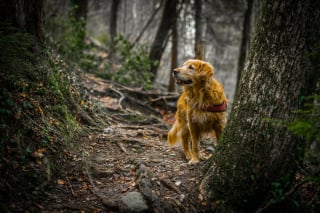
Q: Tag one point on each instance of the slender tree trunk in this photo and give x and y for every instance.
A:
(245, 41)
(81, 9)
(80, 14)
(169, 16)
(199, 40)
(113, 24)
(174, 56)
(255, 152)
(147, 24)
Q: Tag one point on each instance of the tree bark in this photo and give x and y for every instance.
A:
(255, 152)
(174, 56)
(81, 9)
(169, 16)
(113, 24)
(199, 40)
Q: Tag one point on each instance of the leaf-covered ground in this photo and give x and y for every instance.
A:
(130, 154)
(121, 163)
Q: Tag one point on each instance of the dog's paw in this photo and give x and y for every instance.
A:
(193, 161)
(188, 156)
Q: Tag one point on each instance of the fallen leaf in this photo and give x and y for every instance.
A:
(90, 137)
(40, 111)
(23, 95)
(60, 182)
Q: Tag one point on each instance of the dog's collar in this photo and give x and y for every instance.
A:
(217, 107)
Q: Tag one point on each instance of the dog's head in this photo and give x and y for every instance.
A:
(192, 72)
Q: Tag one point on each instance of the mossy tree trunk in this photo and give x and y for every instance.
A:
(255, 152)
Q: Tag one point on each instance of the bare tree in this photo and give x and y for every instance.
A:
(155, 12)
(174, 55)
(254, 152)
(81, 9)
(113, 23)
(169, 16)
(199, 40)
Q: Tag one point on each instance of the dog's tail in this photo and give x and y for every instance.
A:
(173, 137)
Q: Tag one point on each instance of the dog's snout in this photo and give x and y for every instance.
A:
(175, 72)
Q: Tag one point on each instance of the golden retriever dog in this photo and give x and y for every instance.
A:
(200, 108)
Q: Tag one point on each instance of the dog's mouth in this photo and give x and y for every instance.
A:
(183, 82)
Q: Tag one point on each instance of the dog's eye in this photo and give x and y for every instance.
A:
(191, 66)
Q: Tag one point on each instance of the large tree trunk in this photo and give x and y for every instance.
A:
(255, 152)
(169, 16)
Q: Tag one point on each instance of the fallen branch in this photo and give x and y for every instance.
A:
(70, 186)
(122, 147)
(122, 97)
(170, 185)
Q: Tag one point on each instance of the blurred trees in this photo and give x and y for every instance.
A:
(169, 17)
(81, 9)
(113, 24)
(26, 15)
(140, 23)
(199, 39)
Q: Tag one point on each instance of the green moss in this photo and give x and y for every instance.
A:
(37, 122)
(16, 56)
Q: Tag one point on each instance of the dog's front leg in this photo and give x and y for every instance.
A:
(195, 140)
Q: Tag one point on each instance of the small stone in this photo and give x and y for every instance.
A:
(135, 202)
(108, 130)
(200, 197)
(177, 183)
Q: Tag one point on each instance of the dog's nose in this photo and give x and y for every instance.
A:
(175, 72)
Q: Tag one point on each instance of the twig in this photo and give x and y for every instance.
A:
(148, 127)
(164, 98)
(122, 97)
(70, 186)
(122, 147)
(170, 185)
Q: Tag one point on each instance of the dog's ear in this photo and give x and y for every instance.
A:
(205, 70)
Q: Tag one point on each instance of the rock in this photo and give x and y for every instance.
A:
(177, 183)
(134, 202)
(108, 130)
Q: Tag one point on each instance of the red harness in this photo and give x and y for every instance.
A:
(217, 108)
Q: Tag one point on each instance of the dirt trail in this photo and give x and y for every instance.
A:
(129, 166)
(132, 155)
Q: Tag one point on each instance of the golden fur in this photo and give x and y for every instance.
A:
(200, 90)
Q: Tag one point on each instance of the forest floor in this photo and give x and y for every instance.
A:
(127, 165)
